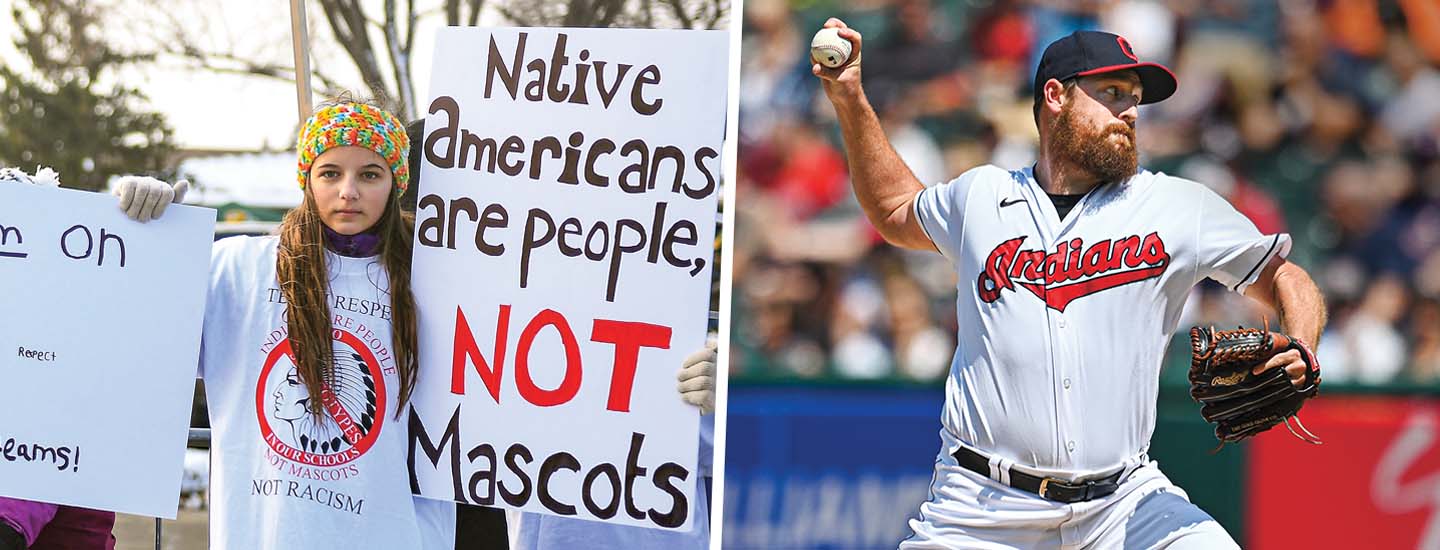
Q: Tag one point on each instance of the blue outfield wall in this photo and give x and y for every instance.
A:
(827, 467)
(843, 466)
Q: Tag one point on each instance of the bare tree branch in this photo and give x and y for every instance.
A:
(453, 13)
(514, 16)
(648, 13)
(678, 11)
(347, 21)
(475, 7)
(399, 51)
(381, 46)
(717, 13)
(246, 67)
(613, 9)
(181, 45)
(579, 12)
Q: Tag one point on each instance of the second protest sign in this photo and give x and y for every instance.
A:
(100, 320)
(564, 249)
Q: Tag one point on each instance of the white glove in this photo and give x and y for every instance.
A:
(145, 198)
(697, 379)
(43, 176)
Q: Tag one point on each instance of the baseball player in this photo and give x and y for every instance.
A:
(1072, 275)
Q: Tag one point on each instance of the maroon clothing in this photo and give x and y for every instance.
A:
(55, 527)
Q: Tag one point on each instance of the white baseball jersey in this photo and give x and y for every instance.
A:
(1064, 323)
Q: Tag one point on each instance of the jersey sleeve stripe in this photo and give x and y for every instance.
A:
(1263, 260)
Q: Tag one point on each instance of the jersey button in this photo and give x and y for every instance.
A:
(1067, 383)
(1062, 323)
(1070, 446)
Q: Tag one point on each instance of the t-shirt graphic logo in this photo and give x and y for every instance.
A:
(351, 411)
(1071, 271)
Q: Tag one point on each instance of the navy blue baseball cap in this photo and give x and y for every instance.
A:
(1084, 53)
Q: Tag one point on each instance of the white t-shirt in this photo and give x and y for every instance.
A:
(1063, 323)
(280, 478)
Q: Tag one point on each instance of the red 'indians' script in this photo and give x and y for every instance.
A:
(1071, 271)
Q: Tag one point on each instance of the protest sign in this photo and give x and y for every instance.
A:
(99, 338)
(564, 248)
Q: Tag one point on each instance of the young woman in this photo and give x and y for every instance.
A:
(309, 354)
(309, 351)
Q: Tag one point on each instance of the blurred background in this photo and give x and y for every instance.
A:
(205, 90)
(1320, 118)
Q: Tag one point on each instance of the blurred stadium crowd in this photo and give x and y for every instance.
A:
(1320, 118)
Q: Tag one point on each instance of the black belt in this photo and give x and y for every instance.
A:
(1049, 488)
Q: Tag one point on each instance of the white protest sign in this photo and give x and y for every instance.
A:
(564, 247)
(99, 338)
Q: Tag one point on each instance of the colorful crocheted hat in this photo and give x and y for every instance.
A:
(361, 125)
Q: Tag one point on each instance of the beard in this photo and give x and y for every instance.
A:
(1093, 151)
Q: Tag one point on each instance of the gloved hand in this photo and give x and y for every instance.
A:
(1232, 375)
(145, 198)
(697, 379)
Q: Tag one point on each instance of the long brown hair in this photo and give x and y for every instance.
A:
(305, 283)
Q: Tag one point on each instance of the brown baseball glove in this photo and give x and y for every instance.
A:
(1238, 402)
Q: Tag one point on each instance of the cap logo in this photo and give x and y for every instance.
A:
(1126, 49)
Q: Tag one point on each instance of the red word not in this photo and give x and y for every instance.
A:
(627, 336)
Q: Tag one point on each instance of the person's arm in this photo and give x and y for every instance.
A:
(1294, 295)
(883, 183)
(21, 522)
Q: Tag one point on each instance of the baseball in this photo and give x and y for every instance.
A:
(829, 49)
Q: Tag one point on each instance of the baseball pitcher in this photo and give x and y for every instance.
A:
(1072, 275)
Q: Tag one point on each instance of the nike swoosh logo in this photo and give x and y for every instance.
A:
(1008, 202)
